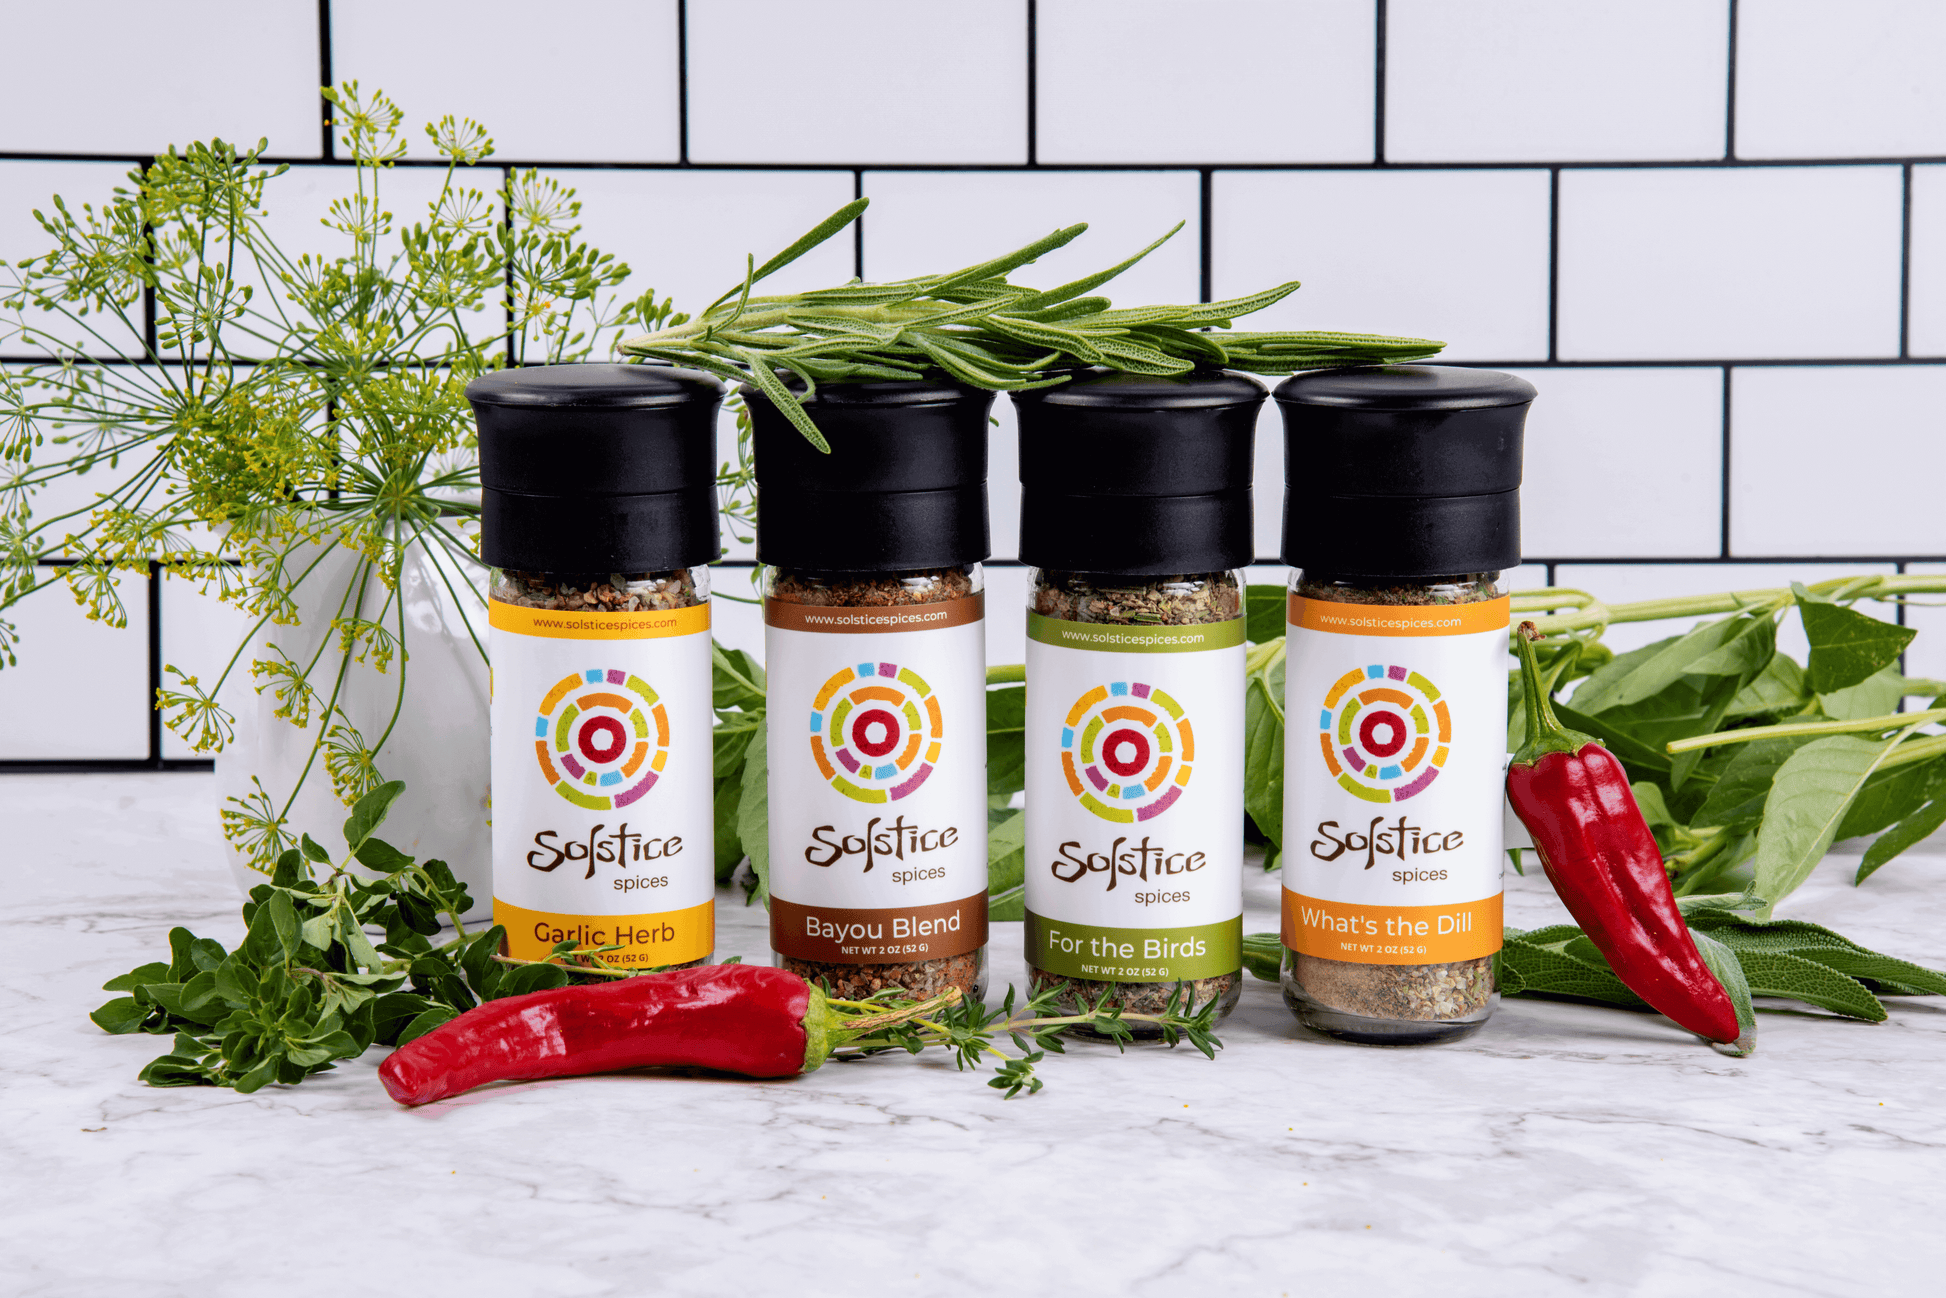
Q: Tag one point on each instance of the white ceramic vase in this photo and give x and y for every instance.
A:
(438, 745)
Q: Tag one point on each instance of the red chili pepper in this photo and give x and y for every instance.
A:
(734, 1018)
(1574, 798)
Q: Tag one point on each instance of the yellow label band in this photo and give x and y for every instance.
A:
(1359, 934)
(1399, 619)
(646, 941)
(559, 624)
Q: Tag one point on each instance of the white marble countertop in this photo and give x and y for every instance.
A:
(1561, 1148)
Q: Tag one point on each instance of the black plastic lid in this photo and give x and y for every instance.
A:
(1133, 475)
(903, 487)
(1403, 470)
(597, 468)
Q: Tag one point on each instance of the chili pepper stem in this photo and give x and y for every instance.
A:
(1545, 734)
(828, 1027)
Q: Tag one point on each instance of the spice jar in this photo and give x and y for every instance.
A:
(1402, 510)
(875, 651)
(1135, 515)
(598, 514)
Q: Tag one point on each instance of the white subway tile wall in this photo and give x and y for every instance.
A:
(1711, 232)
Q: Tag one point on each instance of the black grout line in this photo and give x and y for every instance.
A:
(1724, 544)
(682, 82)
(1730, 92)
(101, 765)
(1905, 266)
(858, 226)
(1033, 84)
(1206, 238)
(1554, 264)
(325, 149)
(155, 661)
(1378, 84)
(1516, 362)
(1564, 164)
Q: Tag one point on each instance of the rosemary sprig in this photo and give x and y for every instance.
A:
(976, 326)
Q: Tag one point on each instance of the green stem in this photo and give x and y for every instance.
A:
(1793, 729)
(1007, 674)
(1545, 734)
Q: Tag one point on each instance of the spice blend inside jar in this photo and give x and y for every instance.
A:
(874, 644)
(598, 514)
(1401, 512)
(1135, 514)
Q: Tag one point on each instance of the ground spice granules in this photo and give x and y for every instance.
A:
(1402, 513)
(875, 656)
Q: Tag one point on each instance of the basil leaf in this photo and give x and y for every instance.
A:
(1808, 799)
(1847, 646)
(736, 679)
(1006, 740)
(1007, 853)
(1263, 613)
(1263, 757)
(377, 854)
(1742, 788)
(120, 1016)
(1877, 695)
(1919, 825)
(1008, 905)
(753, 814)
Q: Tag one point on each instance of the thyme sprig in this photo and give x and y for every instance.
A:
(978, 327)
(968, 1030)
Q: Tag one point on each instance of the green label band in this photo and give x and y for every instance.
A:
(1119, 639)
(1134, 955)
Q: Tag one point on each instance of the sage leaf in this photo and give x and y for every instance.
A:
(1879, 968)
(1724, 963)
(1779, 973)
(1847, 646)
(1807, 801)
(1553, 973)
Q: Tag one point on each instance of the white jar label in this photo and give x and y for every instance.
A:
(876, 740)
(1135, 810)
(1395, 726)
(602, 782)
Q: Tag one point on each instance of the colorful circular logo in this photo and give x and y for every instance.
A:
(876, 731)
(602, 738)
(1127, 749)
(1385, 732)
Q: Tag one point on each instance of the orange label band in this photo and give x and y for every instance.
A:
(646, 941)
(1360, 934)
(559, 624)
(1399, 619)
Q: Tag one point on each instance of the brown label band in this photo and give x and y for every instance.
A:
(852, 620)
(902, 935)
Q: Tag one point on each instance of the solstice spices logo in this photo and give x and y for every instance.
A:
(1127, 749)
(870, 725)
(1385, 732)
(601, 738)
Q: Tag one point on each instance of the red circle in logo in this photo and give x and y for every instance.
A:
(880, 720)
(1119, 740)
(593, 731)
(1392, 723)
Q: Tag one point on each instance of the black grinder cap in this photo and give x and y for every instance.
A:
(597, 468)
(903, 487)
(1136, 475)
(1406, 471)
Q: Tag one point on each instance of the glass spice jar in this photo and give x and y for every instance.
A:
(598, 514)
(875, 653)
(1402, 511)
(1135, 514)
